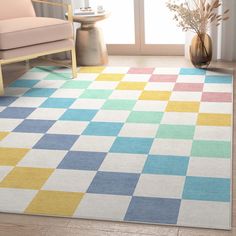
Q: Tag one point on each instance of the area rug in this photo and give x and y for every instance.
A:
(144, 145)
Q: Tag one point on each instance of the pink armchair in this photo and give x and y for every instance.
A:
(25, 36)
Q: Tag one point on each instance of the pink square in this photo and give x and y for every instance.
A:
(163, 78)
(216, 97)
(193, 87)
(141, 70)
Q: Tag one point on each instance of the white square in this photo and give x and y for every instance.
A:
(125, 94)
(116, 70)
(166, 71)
(191, 79)
(7, 125)
(2, 108)
(130, 163)
(46, 114)
(143, 105)
(103, 85)
(186, 96)
(20, 140)
(34, 75)
(163, 186)
(227, 71)
(209, 167)
(28, 102)
(101, 206)
(93, 143)
(213, 133)
(218, 88)
(216, 107)
(136, 78)
(88, 104)
(87, 76)
(16, 92)
(49, 84)
(67, 93)
(111, 116)
(139, 130)
(171, 147)
(42, 158)
(15, 200)
(69, 180)
(205, 214)
(179, 118)
(4, 171)
(155, 86)
(68, 127)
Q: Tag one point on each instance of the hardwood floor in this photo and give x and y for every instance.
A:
(23, 225)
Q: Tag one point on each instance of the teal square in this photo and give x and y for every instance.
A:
(207, 189)
(44, 68)
(96, 94)
(176, 131)
(76, 84)
(79, 115)
(192, 71)
(103, 129)
(24, 83)
(39, 92)
(145, 117)
(215, 149)
(166, 165)
(132, 145)
(218, 79)
(58, 103)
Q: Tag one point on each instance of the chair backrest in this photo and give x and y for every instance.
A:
(16, 8)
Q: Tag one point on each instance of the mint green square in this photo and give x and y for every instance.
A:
(176, 131)
(75, 84)
(145, 117)
(58, 76)
(217, 149)
(119, 104)
(96, 94)
(44, 68)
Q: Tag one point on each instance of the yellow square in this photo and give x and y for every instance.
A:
(155, 95)
(174, 106)
(3, 135)
(131, 85)
(91, 69)
(11, 156)
(54, 203)
(27, 178)
(110, 77)
(206, 119)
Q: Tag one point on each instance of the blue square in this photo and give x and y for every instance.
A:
(58, 103)
(153, 210)
(132, 145)
(192, 71)
(39, 92)
(24, 83)
(218, 79)
(207, 189)
(6, 101)
(16, 112)
(114, 183)
(166, 165)
(34, 126)
(56, 142)
(79, 115)
(82, 160)
(103, 129)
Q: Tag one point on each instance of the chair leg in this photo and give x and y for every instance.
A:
(74, 64)
(1, 82)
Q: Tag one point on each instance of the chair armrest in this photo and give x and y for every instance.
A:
(57, 4)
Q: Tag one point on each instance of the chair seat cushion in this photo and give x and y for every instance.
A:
(28, 31)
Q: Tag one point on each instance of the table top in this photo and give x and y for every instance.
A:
(91, 18)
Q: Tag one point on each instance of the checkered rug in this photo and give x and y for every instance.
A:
(146, 145)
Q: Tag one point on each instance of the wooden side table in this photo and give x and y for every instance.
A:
(90, 46)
